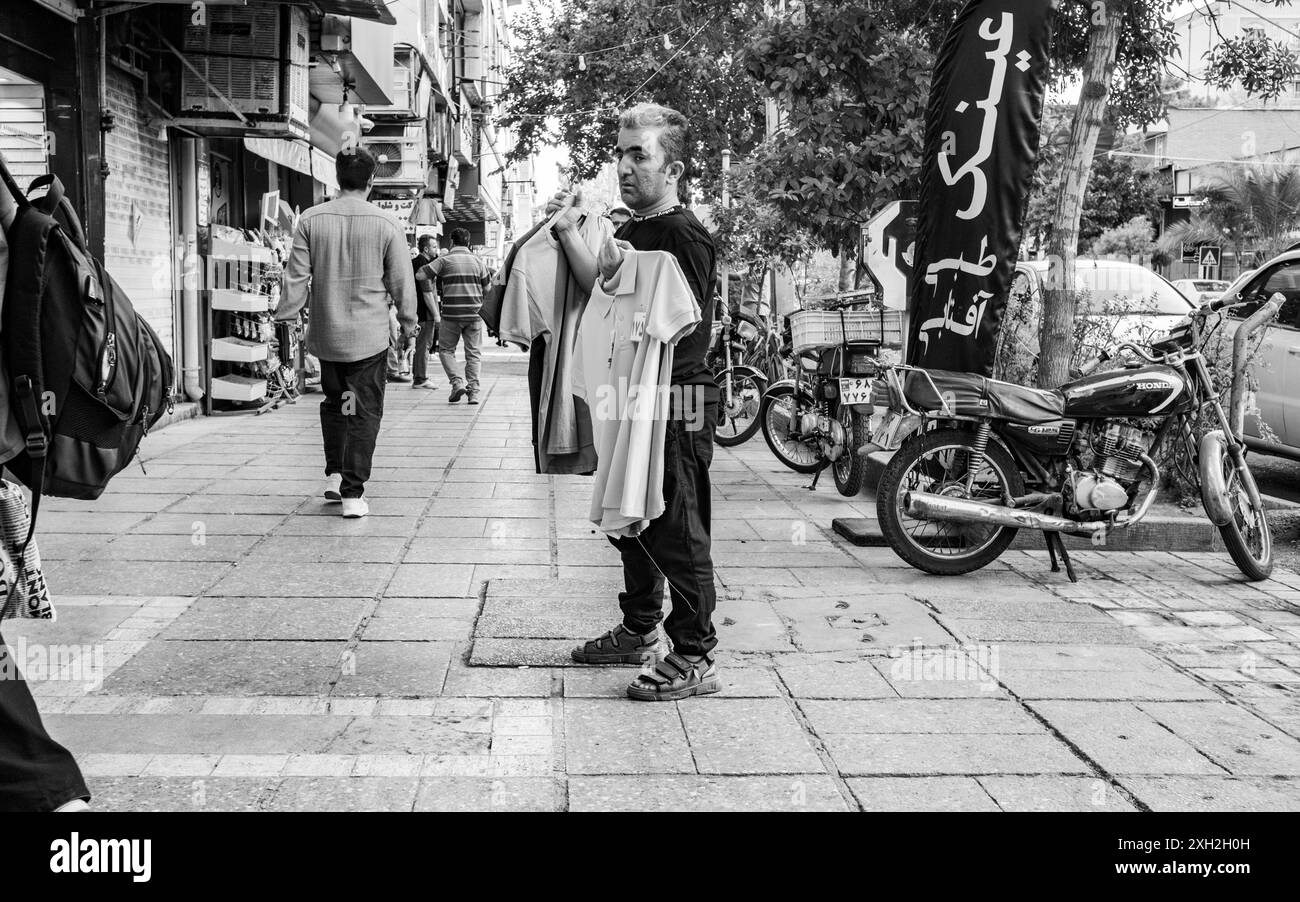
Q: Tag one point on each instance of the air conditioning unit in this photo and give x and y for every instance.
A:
(406, 86)
(401, 155)
(257, 57)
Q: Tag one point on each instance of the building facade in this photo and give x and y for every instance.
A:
(191, 135)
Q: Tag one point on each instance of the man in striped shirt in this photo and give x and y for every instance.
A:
(460, 277)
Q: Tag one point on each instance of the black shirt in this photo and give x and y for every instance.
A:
(682, 235)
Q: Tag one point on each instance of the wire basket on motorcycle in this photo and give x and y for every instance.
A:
(832, 320)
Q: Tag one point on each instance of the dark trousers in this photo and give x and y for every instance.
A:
(350, 417)
(676, 545)
(423, 342)
(36, 773)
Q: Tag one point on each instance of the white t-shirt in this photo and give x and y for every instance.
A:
(633, 322)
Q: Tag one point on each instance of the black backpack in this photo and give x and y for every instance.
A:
(87, 374)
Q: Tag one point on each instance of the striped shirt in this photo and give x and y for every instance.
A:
(351, 257)
(461, 277)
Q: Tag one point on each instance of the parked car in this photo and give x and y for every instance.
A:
(1198, 291)
(1274, 427)
(1118, 302)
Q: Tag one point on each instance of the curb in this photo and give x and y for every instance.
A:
(1152, 534)
(186, 410)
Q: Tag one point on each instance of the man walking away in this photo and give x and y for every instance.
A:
(355, 257)
(428, 314)
(459, 277)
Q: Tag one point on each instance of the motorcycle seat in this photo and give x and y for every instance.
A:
(976, 396)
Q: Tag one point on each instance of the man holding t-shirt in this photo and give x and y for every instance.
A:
(675, 547)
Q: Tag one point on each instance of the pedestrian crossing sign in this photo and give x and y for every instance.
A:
(1209, 255)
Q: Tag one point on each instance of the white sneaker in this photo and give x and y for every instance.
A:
(355, 507)
(333, 488)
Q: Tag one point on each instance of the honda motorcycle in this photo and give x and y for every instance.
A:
(985, 458)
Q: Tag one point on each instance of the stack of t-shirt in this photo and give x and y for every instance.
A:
(540, 309)
(628, 332)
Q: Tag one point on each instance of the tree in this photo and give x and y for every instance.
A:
(575, 67)
(1247, 208)
(852, 89)
(1119, 188)
(1121, 49)
(1132, 239)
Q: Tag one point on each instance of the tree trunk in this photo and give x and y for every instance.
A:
(1057, 331)
(846, 267)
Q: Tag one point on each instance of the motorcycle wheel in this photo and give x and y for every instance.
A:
(779, 410)
(1247, 535)
(937, 462)
(851, 469)
(741, 419)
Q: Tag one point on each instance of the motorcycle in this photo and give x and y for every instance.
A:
(989, 458)
(740, 387)
(819, 418)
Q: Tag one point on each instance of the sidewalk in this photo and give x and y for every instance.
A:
(260, 652)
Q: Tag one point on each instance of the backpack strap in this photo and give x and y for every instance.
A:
(55, 203)
(37, 447)
(29, 238)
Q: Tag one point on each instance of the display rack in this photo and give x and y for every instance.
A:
(253, 361)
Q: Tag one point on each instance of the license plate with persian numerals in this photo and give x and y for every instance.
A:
(855, 391)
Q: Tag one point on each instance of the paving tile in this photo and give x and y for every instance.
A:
(835, 679)
(1055, 794)
(920, 794)
(483, 794)
(488, 652)
(403, 669)
(440, 580)
(613, 737)
(381, 734)
(498, 682)
(130, 578)
(215, 617)
(343, 794)
(1051, 631)
(801, 792)
(748, 736)
(1119, 685)
(223, 668)
(350, 549)
(177, 793)
(195, 546)
(1232, 736)
(958, 753)
(251, 578)
(1244, 794)
(169, 524)
(1123, 739)
(942, 716)
(192, 734)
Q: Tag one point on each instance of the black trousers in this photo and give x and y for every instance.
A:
(36, 773)
(350, 416)
(675, 547)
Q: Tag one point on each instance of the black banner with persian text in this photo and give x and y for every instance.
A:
(981, 145)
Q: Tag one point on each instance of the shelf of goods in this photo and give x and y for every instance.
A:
(243, 288)
(238, 388)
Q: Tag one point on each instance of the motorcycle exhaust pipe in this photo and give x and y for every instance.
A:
(927, 506)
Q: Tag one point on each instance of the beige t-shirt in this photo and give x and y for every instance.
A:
(644, 310)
